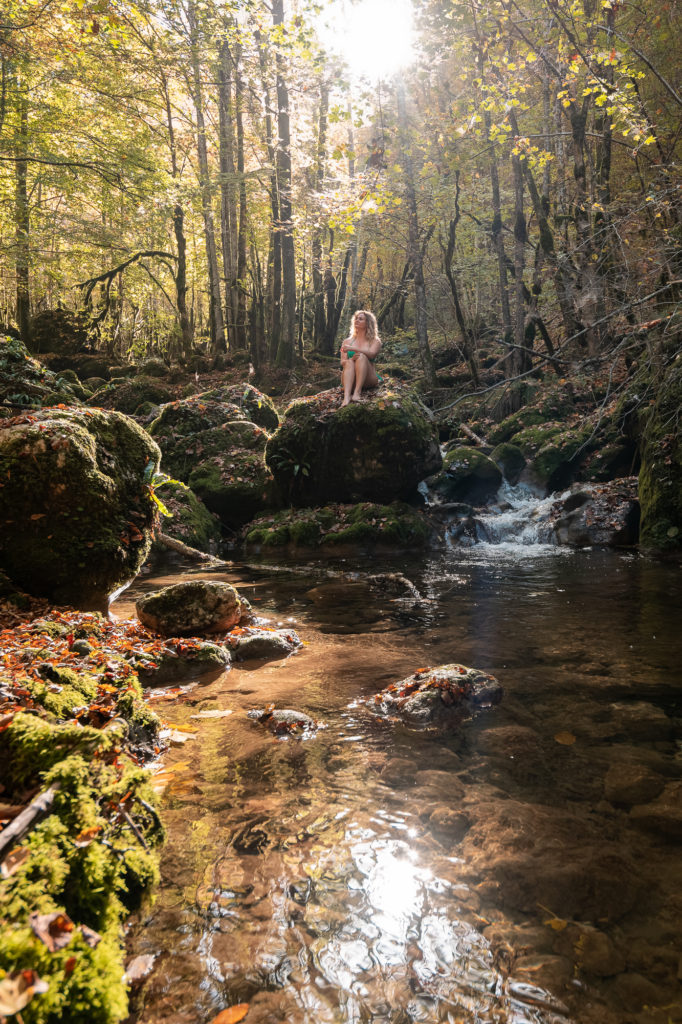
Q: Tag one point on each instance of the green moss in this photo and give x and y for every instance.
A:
(95, 882)
(510, 459)
(364, 523)
(660, 477)
(191, 521)
(127, 395)
(75, 508)
(255, 406)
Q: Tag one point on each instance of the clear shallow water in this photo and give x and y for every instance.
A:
(374, 874)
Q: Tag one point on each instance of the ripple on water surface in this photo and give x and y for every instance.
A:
(369, 874)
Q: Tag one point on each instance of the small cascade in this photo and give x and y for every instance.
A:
(519, 517)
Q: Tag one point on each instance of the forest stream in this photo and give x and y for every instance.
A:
(374, 873)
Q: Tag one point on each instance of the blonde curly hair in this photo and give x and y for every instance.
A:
(372, 328)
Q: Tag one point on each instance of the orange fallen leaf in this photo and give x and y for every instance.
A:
(565, 738)
(232, 1015)
(14, 860)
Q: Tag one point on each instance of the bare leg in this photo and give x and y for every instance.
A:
(364, 374)
(348, 379)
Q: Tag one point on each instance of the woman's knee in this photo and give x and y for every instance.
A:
(362, 359)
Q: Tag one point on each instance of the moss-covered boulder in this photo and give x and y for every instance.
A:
(75, 507)
(153, 368)
(183, 660)
(660, 477)
(510, 460)
(467, 475)
(64, 331)
(128, 395)
(191, 608)
(190, 521)
(375, 450)
(26, 382)
(396, 525)
(230, 475)
(254, 405)
(180, 424)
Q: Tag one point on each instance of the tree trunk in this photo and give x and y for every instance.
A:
(180, 240)
(285, 349)
(22, 217)
(218, 341)
(448, 254)
(415, 252)
(228, 201)
(319, 318)
(240, 325)
(274, 286)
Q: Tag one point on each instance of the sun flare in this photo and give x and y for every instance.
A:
(375, 37)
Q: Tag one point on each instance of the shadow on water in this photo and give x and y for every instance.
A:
(522, 869)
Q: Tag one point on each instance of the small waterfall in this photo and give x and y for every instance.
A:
(518, 518)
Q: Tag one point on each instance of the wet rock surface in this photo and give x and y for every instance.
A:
(180, 661)
(605, 514)
(191, 608)
(283, 721)
(262, 644)
(440, 696)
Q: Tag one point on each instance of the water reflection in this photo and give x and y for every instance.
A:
(375, 875)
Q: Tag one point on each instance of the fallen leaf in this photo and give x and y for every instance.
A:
(565, 738)
(90, 936)
(55, 930)
(17, 991)
(69, 966)
(14, 860)
(85, 837)
(140, 966)
(232, 1015)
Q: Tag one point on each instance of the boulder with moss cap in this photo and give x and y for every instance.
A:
(76, 511)
(375, 450)
(191, 609)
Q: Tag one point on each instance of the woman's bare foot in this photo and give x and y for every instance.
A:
(356, 398)
(346, 401)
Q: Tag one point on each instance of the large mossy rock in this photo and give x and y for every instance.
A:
(396, 525)
(26, 382)
(180, 423)
(190, 521)
(230, 474)
(191, 608)
(61, 330)
(254, 405)
(375, 450)
(128, 395)
(660, 477)
(468, 475)
(75, 506)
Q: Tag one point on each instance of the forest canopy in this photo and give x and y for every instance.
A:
(240, 177)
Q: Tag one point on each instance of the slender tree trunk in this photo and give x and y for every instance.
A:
(319, 318)
(416, 257)
(218, 340)
(519, 360)
(496, 233)
(22, 216)
(285, 349)
(274, 286)
(240, 332)
(180, 240)
(448, 255)
(228, 200)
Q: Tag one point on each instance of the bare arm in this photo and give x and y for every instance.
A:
(370, 349)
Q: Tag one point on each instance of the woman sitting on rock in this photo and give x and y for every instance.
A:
(358, 353)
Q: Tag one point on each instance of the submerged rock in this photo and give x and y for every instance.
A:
(375, 450)
(663, 815)
(438, 696)
(284, 721)
(191, 608)
(75, 506)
